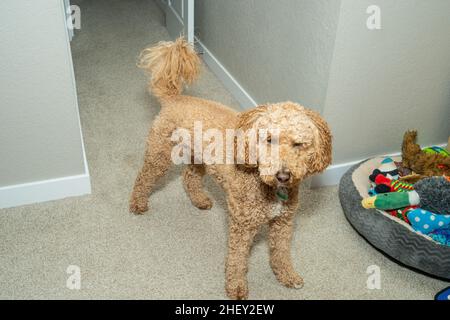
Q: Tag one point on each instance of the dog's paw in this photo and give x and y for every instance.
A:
(237, 290)
(202, 202)
(138, 206)
(299, 284)
(291, 280)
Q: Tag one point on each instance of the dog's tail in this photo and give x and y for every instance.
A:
(172, 64)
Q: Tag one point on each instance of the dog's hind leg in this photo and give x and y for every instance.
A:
(157, 162)
(192, 181)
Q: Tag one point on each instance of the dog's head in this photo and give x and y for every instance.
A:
(292, 142)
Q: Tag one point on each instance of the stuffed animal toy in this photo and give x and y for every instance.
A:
(436, 150)
(433, 194)
(441, 235)
(402, 170)
(443, 295)
(424, 164)
(402, 213)
(392, 200)
(387, 168)
(384, 184)
(425, 221)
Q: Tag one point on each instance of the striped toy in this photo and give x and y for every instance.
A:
(385, 184)
(399, 186)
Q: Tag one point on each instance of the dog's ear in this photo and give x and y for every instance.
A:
(322, 157)
(246, 122)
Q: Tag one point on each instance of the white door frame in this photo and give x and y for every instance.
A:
(179, 23)
(69, 24)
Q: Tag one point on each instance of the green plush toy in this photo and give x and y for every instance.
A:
(433, 194)
(392, 200)
(436, 150)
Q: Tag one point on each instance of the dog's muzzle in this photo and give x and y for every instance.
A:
(283, 175)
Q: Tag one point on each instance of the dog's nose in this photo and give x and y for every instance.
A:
(283, 175)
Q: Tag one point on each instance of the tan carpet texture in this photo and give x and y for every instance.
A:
(175, 251)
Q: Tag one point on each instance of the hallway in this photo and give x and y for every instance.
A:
(175, 251)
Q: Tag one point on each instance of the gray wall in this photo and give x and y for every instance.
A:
(370, 85)
(39, 129)
(385, 81)
(277, 50)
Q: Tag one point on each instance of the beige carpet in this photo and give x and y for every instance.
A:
(176, 251)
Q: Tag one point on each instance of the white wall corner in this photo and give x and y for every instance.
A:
(46, 190)
(230, 83)
(58, 188)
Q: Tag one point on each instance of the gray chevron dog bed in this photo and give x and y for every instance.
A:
(392, 236)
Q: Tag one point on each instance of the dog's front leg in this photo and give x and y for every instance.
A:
(280, 236)
(239, 243)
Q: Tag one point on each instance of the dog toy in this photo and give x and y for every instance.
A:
(402, 170)
(387, 168)
(402, 213)
(423, 163)
(372, 191)
(425, 221)
(441, 235)
(443, 295)
(392, 200)
(384, 184)
(436, 150)
(434, 193)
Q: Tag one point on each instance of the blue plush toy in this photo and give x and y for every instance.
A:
(444, 295)
(441, 235)
(426, 222)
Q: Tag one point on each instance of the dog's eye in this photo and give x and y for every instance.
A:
(269, 139)
(298, 145)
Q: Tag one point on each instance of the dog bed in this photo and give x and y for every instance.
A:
(391, 235)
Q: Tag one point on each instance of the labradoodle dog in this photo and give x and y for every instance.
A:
(258, 192)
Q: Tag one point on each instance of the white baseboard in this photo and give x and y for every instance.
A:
(332, 174)
(46, 190)
(238, 92)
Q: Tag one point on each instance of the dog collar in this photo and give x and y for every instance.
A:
(282, 194)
